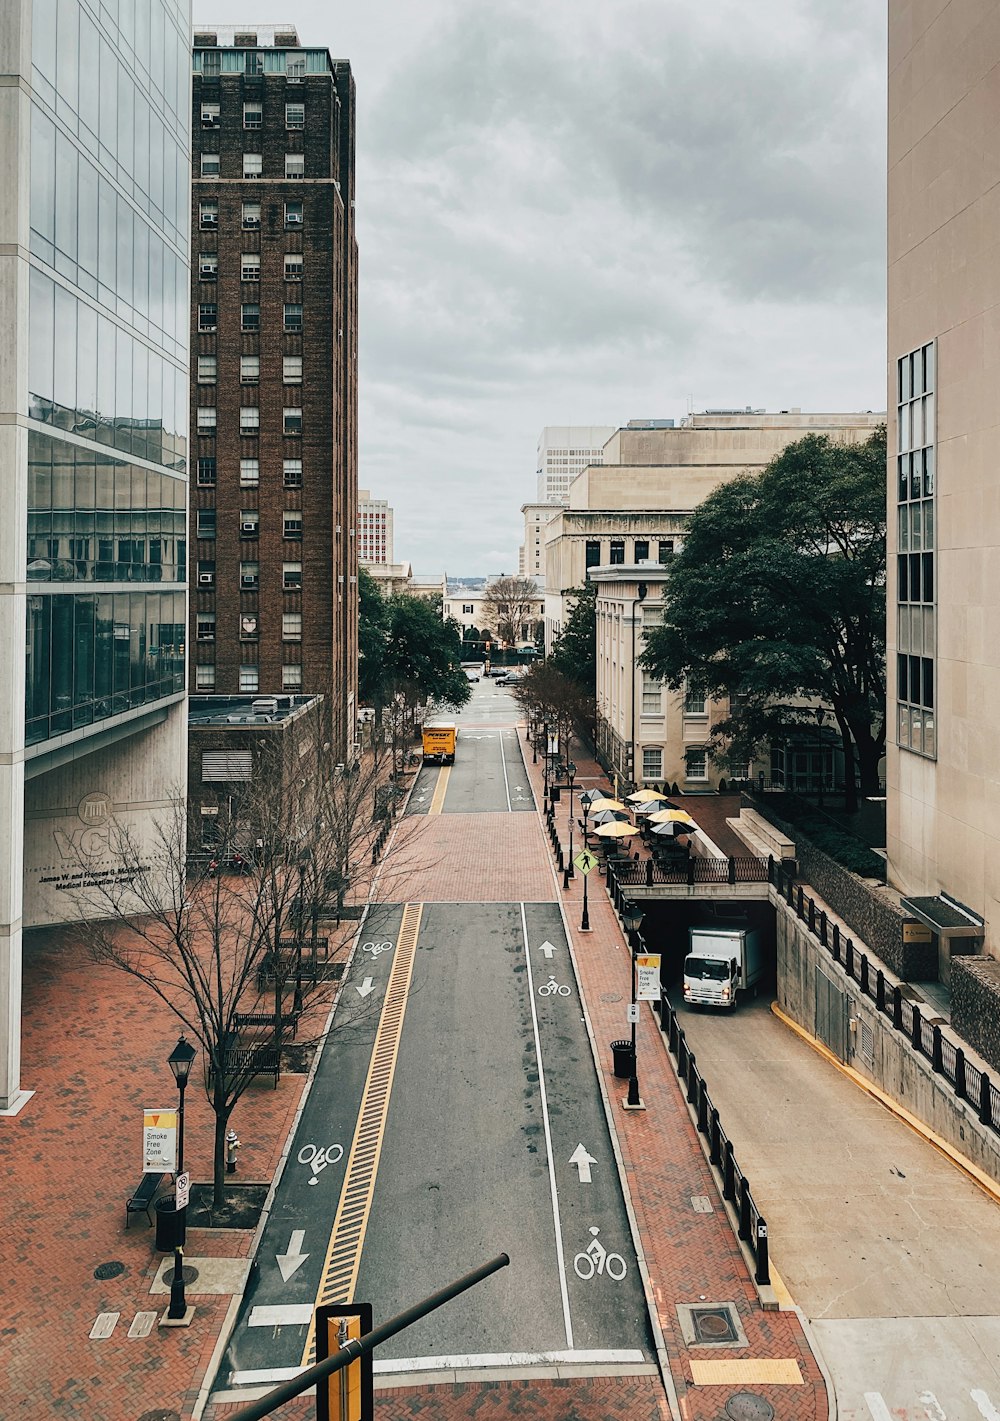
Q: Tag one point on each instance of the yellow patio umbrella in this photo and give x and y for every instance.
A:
(667, 816)
(616, 829)
(596, 804)
(644, 796)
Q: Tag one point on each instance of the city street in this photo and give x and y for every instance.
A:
(456, 1115)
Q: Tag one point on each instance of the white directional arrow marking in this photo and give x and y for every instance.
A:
(368, 985)
(546, 949)
(294, 1258)
(583, 1161)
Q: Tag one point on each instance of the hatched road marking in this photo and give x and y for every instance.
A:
(343, 1255)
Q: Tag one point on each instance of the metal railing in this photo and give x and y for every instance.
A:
(946, 1056)
(646, 873)
(751, 1225)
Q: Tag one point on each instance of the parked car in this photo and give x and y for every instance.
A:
(509, 676)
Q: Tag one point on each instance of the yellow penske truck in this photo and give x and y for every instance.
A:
(439, 738)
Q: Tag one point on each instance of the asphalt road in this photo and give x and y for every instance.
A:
(488, 775)
(492, 1138)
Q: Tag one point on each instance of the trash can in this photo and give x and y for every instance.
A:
(168, 1225)
(624, 1056)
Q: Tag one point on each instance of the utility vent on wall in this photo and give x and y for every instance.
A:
(866, 1044)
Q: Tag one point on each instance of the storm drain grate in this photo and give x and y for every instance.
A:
(748, 1406)
(711, 1325)
(104, 1271)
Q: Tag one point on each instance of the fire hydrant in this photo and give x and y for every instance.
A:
(232, 1151)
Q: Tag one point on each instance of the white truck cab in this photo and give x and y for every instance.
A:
(721, 963)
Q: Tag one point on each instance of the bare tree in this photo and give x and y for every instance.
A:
(509, 604)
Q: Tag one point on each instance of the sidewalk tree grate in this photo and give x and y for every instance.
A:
(188, 1273)
(104, 1271)
(713, 1325)
(748, 1406)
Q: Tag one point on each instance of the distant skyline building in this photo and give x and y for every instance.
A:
(564, 450)
(375, 531)
(93, 447)
(273, 548)
(531, 554)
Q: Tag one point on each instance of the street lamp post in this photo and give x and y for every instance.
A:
(545, 766)
(570, 777)
(632, 918)
(585, 920)
(179, 1061)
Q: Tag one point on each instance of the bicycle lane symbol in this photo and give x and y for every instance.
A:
(375, 949)
(596, 1260)
(551, 988)
(318, 1158)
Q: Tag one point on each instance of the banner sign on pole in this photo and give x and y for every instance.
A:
(159, 1141)
(553, 746)
(347, 1395)
(647, 976)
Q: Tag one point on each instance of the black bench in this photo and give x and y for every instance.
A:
(257, 1060)
(244, 1019)
(142, 1198)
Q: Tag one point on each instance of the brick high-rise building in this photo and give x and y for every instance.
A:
(273, 557)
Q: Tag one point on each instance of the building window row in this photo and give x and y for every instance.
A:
(291, 472)
(249, 626)
(208, 266)
(253, 165)
(207, 420)
(916, 615)
(291, 677)
(616, 551)
(253, 115)
(250, 214)
(206, 524)
(291, 575)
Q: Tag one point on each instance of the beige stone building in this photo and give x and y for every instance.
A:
(531, 554)
(943, 761)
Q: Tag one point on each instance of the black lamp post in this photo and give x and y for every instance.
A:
(570, 777)
(545, 765)
(585, 920)
(632, 918)
(180, 1061)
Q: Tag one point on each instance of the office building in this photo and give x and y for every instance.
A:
(95, 132)
(273, 552)
(564, 450)
(942, 760)
(374, 530)
(531, 554)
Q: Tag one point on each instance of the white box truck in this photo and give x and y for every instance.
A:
(721, 962)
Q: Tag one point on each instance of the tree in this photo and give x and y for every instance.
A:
(574, 651)
(509, 604)
(778, 596)
(373, 627)
(549, 696)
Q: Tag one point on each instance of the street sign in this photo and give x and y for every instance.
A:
(159, 1141)
(183, 1190)
(647, 973)
(347, 1395)
(585, 861)
(633, 1012)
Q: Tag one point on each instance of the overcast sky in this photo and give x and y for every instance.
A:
(587, 211)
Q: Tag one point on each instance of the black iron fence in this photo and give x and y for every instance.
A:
(646, 873)
(751, 1226)
(947, 1058)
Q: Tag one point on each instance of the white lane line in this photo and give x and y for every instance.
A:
(506, 785)
(548, 1138)
(985, 1406)
(280, 1315)
(876, 1405)
(508, 1359)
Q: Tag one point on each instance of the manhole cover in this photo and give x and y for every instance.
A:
(714, 1325)
(745, 1406)
(188, 1273)
(159, 1416)
(610, 997)
(109, 1270)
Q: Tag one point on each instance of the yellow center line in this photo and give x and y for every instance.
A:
(343, 1255)
(440, 789)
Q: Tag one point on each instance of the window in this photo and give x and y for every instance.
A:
(204, 678)
(249, 522)
(210, 165)
(206, 626)
(206, 473)
(293, 266)
(593, 552)
(253, 165)
(206, 574)
(249, 576)
(652, 695)
(210, 115)
(293, 214)
(253, 115)
(467, 610)
(250, 316)
(291, 678)
(641, 550)
(617, 551)
(206, 369)
(248, 626)
(664, 550)
(250, 266)
(249, 369)
(293, 524)
(292, 473)
(291, 576)
(916, 612)
(249, 678)
(249, 419)
(292, 421)
(208, 214)
(291, 369)
(694, 701)
(207, 419)
(295, 165)
(249, 473)
(293, 316)
(205, 523)
(291, 626)
(695, 763)
(208, 316)
(652, 762)
(208, 266)
(295, 115)
(251, 215)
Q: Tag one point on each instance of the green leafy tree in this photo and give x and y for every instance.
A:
(574, 651)
(778, 596)
(373, 630)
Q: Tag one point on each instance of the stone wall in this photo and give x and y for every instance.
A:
(877, 922)
(975, 1005)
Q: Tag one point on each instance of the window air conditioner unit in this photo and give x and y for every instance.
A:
(248, 580)
(209, 219)
(294, 219)
(209, 121)
(251, 222)
(248, 527)
(205, 579)
(206, 636)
